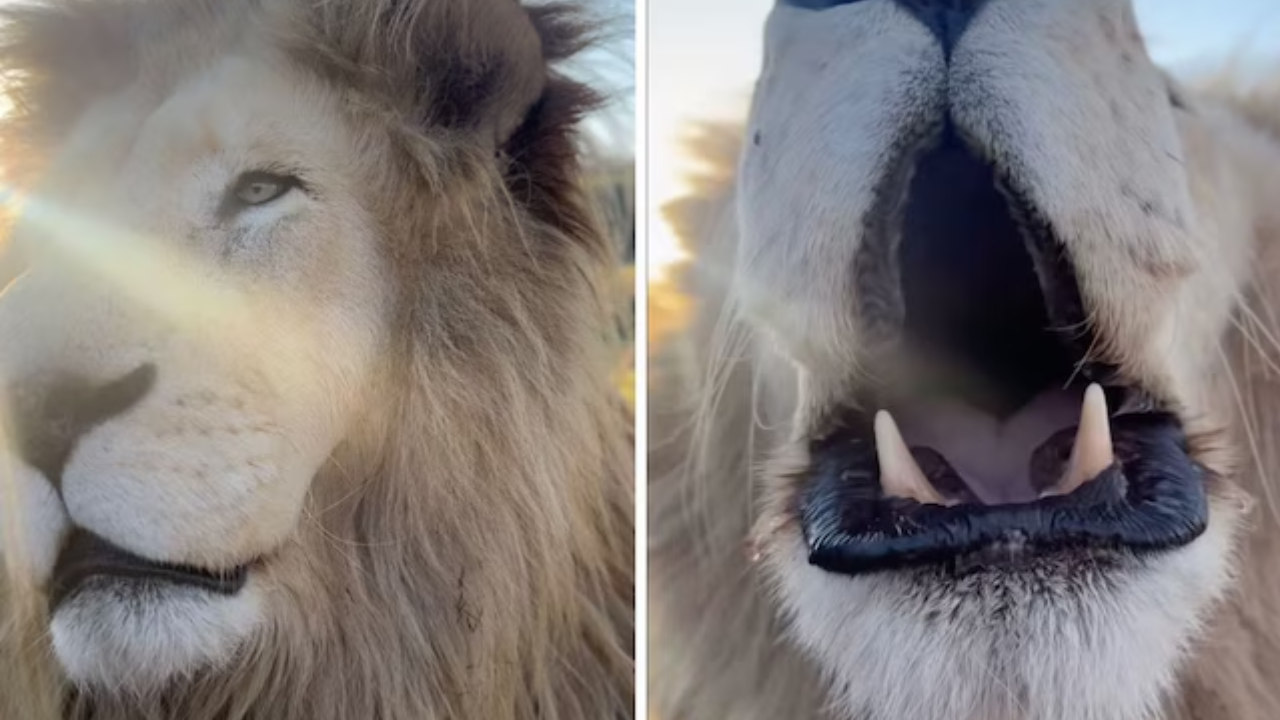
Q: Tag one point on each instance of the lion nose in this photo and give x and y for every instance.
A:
(946, 19)
(49, 417)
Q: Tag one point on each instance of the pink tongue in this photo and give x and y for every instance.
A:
(993, 456)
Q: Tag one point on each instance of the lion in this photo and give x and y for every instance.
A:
(973, 417)
(307, 375)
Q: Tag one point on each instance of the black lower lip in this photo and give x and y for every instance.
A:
(1153, 499)
(87, 556)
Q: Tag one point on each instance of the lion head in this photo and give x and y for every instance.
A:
(976, 358)
(306, 375)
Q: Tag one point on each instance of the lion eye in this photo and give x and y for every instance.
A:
(259, 188)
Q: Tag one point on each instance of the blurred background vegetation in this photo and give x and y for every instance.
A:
(610, 139)
(612, 183)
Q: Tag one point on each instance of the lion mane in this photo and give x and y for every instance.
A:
(470, 554)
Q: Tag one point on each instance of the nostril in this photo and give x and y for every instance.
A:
(946, 19)
(50, 417)
(818, 4)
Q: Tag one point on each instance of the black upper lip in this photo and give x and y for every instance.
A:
(977, 275)
(86, 556)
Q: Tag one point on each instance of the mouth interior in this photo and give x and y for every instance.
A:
(993, 435)
(993, 375)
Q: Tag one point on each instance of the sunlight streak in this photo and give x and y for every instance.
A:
(229, 317)
(143, 270)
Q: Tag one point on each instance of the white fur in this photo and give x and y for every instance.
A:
(38, 537)
(132, 641)
(262, 329)
(896, 648)
(862, 66)
(1061, 96)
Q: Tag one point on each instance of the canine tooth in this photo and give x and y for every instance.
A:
(1092, 451)
(900, 476)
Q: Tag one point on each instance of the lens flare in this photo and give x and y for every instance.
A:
(230, 317)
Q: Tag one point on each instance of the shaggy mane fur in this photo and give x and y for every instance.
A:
(712, 610)
(469, 555)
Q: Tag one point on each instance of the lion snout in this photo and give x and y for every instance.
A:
(49, 417)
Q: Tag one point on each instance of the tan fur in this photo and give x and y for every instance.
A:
(724, 642)
(467, 550)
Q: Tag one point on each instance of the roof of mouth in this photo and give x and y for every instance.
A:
(971, 293)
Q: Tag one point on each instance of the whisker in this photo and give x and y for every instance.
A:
(1246, 420)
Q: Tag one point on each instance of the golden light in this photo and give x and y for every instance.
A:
(230, 318)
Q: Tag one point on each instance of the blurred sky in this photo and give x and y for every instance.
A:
(704, 54)
(611, 67)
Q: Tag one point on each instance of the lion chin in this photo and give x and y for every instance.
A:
(300, 382)
(138, 639)
(973, 381)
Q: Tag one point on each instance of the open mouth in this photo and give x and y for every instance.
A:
(87, 556)
(992, 434)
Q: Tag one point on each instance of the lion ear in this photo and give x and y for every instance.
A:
(501, 73)
(481, 67)
(475, 66)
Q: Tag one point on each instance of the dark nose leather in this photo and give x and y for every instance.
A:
(50, 416)
(946, 19)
